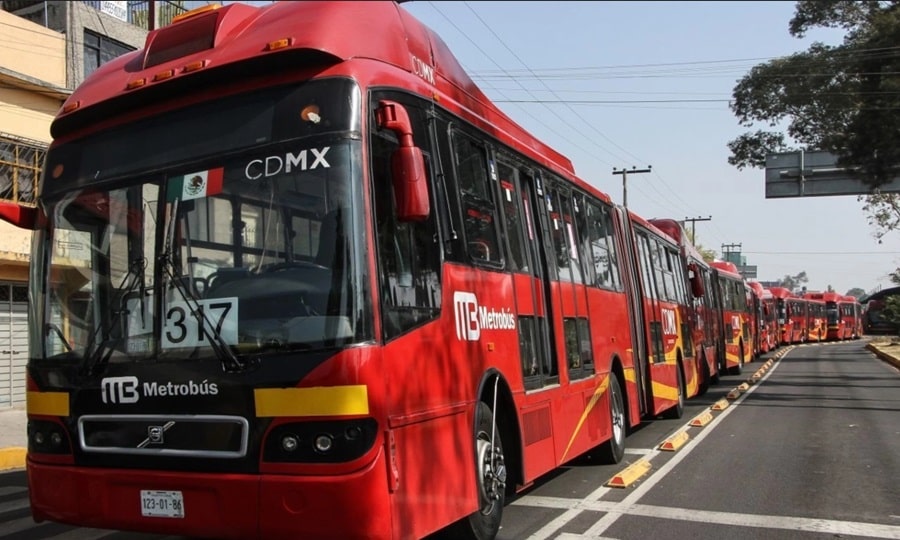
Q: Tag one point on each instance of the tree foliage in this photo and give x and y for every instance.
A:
(793, 283)
(844, 99)
(709, 255)
(856, 292)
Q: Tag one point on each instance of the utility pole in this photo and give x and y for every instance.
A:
(693, 221)
(624, 173)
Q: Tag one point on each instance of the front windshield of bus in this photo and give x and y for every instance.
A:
(254, 252)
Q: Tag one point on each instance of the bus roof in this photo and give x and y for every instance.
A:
(781, 292)
(727, 267)
(676, 230)
(238, 41)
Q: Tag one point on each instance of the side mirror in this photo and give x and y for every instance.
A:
(24, 217)
(407, 164)
(696, 282)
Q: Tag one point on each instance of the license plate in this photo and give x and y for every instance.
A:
(168, 504)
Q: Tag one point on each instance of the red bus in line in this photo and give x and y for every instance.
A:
(767, 336)
(294, 275)
(854, 316)
(705, 319)
(791, 316)
(833, 319)
(736, 313)
(817, 325)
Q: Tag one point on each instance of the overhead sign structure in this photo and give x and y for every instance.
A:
(814, 174)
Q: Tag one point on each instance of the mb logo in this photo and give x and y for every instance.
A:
(119, 389)
(465, 309)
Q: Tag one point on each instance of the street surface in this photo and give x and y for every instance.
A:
(811, 451)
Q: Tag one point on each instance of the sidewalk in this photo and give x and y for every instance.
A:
(13, 438)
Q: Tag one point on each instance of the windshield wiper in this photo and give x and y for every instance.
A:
(96, 358)
(230, 361)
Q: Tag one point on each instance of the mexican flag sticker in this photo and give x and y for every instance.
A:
(195, 185)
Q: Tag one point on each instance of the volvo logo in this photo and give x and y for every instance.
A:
(156, 434)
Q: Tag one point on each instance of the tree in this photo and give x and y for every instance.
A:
(792, 283)
(844, 99)
(856, 292)
(709, 255)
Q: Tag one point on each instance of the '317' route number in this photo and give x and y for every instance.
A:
(183, 324)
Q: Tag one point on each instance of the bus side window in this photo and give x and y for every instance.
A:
(476, 199)
(408, 253)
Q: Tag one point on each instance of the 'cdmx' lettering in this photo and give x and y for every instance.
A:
(274, 165)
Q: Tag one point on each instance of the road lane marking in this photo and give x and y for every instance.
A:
(575, 506)
(756, 521)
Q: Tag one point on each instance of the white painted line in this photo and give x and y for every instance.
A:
(638, 451)
(598, 528)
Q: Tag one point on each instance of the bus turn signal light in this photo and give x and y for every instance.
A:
(278, 44)
(194, 66)
(163, 75)
(69, 107)
(195, 12)
(137, 83)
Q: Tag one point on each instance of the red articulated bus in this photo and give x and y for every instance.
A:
(767, 335)
(791, 316)
(736, 313)
(705, 320)
(854, 317)
(817, 312)
(848, 311)
(294, 275)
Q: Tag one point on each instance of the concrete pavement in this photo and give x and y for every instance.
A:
(13, 422)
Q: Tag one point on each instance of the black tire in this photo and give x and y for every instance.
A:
(484, 523)
(738, 369)
(613, 450)
(677, 411)
(705, 379)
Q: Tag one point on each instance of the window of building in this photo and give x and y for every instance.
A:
(20, 168)
(99, 50)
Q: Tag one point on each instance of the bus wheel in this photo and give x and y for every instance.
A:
(490, 468)
(613, 450)
(678, 410)
(704, 377)
(739, 368)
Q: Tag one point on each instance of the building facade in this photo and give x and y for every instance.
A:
(47, 48)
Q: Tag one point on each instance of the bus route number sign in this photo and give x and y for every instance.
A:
(169, 504)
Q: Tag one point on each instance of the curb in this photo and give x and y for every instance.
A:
(891, 359)
(12, 458)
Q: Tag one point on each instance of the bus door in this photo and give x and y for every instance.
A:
(527, 261)
(631, 280)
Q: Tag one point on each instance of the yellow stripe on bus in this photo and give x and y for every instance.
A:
(601, 389)
(665, 391)
(47, 403)
(315, 401)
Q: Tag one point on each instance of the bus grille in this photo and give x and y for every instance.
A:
(165, 435)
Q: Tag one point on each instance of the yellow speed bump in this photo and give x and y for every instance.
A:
(720, 405)
(734, 394)
(630, 474)
(675, 441)
(743, 387)
(770, 362)
(702, 419)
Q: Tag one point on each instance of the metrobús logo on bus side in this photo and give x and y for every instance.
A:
(471, 318)
(127, 389)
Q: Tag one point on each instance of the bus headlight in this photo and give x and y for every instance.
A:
(334, 441)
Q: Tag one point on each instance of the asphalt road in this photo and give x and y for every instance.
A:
(810, 451)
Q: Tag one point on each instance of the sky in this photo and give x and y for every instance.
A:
(647, 84)
(638, 84)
